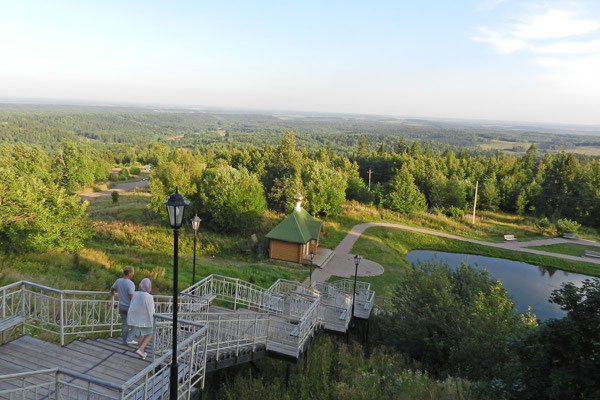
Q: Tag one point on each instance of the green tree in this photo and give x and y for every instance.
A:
(35, 213)
(282, 178)
(324, 188)
(489, 197)
(403, 195)
(180, 170)
(362, 147)
(560, 359)
(457, 322)
(73, 169)
(455, 194)
(229, 199)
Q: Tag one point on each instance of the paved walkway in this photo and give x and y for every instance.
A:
(342, 263)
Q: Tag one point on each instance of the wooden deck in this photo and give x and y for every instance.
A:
(106, 359)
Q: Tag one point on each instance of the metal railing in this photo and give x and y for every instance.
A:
(150, 383)
(347, 285)
(67, 312)
(334, 307)
(288, 315)
(236, 292)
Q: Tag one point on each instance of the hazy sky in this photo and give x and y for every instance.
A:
(488, 59)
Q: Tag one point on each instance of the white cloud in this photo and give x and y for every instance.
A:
(572, 65)
(592, 46)
(554, 24)
(502, 44)
(551, 24)
(579, 73)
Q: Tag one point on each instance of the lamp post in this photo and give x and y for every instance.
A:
(175, 208)
(312, 255)
(195, 225)
(357, 259)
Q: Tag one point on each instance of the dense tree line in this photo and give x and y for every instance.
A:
(232, 188)
(405, 179)
(553, 185)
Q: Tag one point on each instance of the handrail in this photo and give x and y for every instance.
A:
(96, 381)
(28, 373)
(167, 354)
(181, 321)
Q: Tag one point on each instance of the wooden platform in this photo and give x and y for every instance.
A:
(106, 359)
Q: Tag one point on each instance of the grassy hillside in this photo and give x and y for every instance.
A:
(127, 233)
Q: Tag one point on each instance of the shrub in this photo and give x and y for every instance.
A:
(567, 226)
(454, 212)
(134, 170)
(437, 210)
(125, 172)
(543, 223)
(115, 196)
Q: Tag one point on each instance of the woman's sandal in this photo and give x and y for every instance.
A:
(142, 355)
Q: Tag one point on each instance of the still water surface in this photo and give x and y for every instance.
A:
(528, 285)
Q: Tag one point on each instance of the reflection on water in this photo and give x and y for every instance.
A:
(528, 285)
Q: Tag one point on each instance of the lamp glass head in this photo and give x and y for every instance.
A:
(175, 208)
(196, 223)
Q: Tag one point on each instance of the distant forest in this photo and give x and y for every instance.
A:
(48, 126)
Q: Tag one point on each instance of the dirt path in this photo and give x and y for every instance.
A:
(121, 187)
(342, 263)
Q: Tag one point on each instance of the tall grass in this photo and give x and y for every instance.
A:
(492, 227)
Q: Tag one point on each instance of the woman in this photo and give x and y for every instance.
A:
(140, 316)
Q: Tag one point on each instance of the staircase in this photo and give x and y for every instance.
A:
(255, 322)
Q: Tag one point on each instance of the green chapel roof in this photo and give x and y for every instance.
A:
(298, 227)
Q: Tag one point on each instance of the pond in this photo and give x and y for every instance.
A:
(528, 285)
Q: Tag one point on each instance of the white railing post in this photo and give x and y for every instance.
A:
(237, 284)
(112, 313)
(218, 335)
(56, 386)
(62, 319)
(254, 334)
(237, 334)
(204, 358)
(23, 306)
(267, 332)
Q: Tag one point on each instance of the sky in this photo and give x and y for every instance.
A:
(536, 61)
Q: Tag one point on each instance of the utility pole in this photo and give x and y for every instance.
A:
(475, 201)
(370, 179)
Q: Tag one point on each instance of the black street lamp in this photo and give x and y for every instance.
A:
(195, 225)
(312, 255)
(175, 208)
(357, 259)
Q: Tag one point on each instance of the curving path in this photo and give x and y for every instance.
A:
(342, 263)
(121, 187)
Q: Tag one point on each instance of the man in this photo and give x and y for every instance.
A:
(125, 289)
